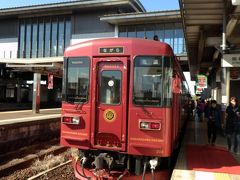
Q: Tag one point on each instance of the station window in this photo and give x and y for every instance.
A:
(171, 33)
(61, 37)
(44, 36)
(34, 39)
(150, 31)
(40, 38)
(22, 40)
(54, 37)
(131, 31)
(123, 31)
(47, 33)
(140, 31)
(28, 40)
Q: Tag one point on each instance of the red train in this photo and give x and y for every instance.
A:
(123, 107)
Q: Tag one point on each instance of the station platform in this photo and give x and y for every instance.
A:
(22, 116)
(23, 128)
(198, 160)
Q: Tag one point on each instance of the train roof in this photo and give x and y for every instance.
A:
(129, 47)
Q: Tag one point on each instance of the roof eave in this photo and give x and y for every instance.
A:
(70, 5)
(137, 17)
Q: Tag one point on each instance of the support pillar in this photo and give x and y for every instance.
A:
(36, 93)
(19, 92)
(225, 86)
(116, 31)
(225, 73)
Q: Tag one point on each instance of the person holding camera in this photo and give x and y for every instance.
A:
(213, 122)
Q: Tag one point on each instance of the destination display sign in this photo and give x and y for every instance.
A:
(231, 60)
(111, 50)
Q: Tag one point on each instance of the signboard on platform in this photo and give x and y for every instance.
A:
(201, 83)
(230, 60)
(199, 90)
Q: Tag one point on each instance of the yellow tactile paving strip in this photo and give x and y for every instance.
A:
(196, 134)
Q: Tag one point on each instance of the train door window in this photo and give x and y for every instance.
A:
(77, 80)
(110, 89)
(167, 82)
(147, 87)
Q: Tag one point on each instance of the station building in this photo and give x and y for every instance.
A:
(33, 39)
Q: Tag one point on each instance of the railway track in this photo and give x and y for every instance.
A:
(20, 162)
(49, 170)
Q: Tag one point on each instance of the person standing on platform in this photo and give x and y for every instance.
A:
(207, 108)
(190, 108)
(232, 127)
(155, 38)
(200, 109)
(214, 122)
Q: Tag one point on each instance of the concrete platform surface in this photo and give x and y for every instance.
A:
(11, 117)
(196, 133)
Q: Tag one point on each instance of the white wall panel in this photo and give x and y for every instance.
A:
(77, 38)
(8, 48)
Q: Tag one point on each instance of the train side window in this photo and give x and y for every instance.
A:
(167, 81)
(77, 79)
(176, 83)
(152, 81)
(147, 87)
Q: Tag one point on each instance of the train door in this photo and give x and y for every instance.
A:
(111, 106)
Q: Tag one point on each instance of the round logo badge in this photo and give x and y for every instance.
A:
(109, 115)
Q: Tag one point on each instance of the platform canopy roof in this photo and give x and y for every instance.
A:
(203, 27)
(202, 21)
(143, 17)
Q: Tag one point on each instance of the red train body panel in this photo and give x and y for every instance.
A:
(122, 95)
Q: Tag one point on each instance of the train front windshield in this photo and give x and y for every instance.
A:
(152, 81)
(76, 80)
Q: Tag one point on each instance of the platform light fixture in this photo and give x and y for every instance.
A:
(235, 2)
(31, 82)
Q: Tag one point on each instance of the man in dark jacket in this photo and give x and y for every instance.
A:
(232, 129)
(214, 122)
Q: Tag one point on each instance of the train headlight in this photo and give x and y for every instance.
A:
(75, 120)
(147, 125)
(144, 125)
(71, 120)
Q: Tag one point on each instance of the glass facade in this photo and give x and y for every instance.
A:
(47, 32)
(34, 39)
(40, 40)
(171, 33)
(44, 37)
